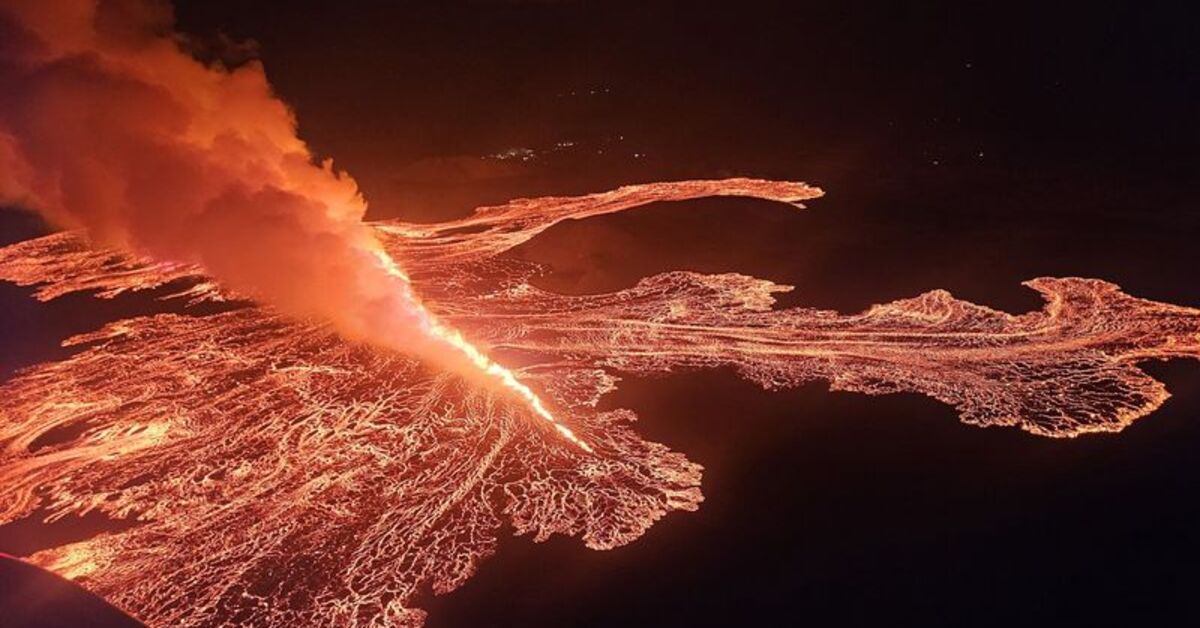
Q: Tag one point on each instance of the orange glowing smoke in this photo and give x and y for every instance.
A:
(278, 475)
(107, 125)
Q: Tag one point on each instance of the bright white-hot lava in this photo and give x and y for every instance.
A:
(109, 126)
(454, 340)
(333, 451)
(270, 473)
(506, 377)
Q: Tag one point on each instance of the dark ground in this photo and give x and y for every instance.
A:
(962, 148)
(32, 597)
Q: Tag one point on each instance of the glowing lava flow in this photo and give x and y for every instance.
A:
(270, 473)
(506, 377)
(454, 339)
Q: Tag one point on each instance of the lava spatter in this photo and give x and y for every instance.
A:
(279, 474)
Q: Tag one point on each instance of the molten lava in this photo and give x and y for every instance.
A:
(454, 339)
(110, 126)
(273, 473)
(504, 376)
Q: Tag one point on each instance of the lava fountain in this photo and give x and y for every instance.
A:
(330, 446)
(454, 340)
(111, 127)
(269, 472)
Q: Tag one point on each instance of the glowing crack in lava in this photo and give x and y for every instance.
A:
(454, 339)
(279, 475)
(111, 126)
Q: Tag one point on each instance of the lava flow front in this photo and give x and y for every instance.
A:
(271, 473)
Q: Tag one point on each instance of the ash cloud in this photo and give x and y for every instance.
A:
(108, 124)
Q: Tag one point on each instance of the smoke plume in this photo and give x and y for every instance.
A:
(109, 125)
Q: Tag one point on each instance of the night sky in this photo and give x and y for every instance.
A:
(960, 147)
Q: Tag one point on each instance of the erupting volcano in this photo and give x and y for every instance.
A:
(279, 474)
(347, 414)
(115, 123)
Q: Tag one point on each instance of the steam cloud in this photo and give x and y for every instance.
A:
(107, 124)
